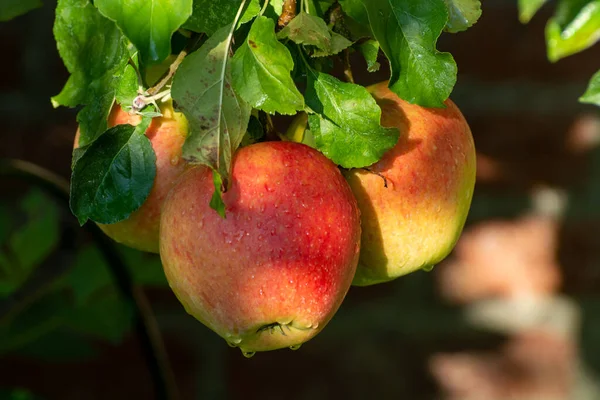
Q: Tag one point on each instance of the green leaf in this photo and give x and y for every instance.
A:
(261, 70)
(347, 128)
(17, 394)
(370, 51)
(216, 201)
(34, 241)
(407, 31)
(319, 7)
(218, 118)
(145, 268)
(10, 9)
(59, 346)
(88, 276)
(528, 8)
(109, 317)
(355, 10)
(337, 44)
(149, 24)
(114, 177)
(308, 30)
(95, 53)
(565, 36)
(592, 94)
(462, 14)
(208, 16)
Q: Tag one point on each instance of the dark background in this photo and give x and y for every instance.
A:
(531, 247)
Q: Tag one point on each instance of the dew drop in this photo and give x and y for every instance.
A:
(231, 344)
(428, 268)
(295, 346)
(248, 354)
(175, 160)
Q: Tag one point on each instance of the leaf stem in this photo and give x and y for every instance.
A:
(172, 69)
(148, 333)
(348, 67)
(264, 8)
(288, 13)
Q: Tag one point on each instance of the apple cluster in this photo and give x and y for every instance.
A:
(298, 230)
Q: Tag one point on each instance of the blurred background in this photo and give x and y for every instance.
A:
(513, 313)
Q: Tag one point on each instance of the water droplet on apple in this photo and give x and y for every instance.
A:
(248, 354)
(428, 268)
(231, 344)
(295, 346)
(175, 161)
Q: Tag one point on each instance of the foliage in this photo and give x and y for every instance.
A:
(59, 306)
(574, 27)
(240, 59)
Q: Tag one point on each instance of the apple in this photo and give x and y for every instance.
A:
(167, 135)
(415, 200)
(273, 272)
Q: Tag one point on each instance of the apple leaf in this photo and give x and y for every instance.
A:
(337, 44)
(114, 177)
(346, 126)
(528, 8)
(218, 118)
(308, 30)
(462, 14)
(208, 16)
(370, 51)
(407, 31)
(149, 24)
(355, 10)
(261, 70)
(319, 7)
(592, 94)
(572, 31)
(95, 53)
(216, 201)
(10, 9)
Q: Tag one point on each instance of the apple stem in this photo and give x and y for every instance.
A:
(146, 326)
(385, 181)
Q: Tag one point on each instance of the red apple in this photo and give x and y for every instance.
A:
(415, 200)
(167, 135)
(276, 269)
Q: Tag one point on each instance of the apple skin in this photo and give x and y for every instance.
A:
(416, 220)
(276, 269)
(167, 135)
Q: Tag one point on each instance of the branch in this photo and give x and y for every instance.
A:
(287, 14)
(145, 324)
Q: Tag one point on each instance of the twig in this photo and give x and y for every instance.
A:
(145, 324)
(288, 13)
(172, 69)
(347, 67)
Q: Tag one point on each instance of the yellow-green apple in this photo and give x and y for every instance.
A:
(167, 135)
(415, 200)
(273, 272)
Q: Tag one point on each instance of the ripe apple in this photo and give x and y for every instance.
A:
(167, 135)
(415, 200)
(275, 270)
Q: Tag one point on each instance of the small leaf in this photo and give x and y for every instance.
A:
(528, 8)
(337, 44)
(149, 24)
(217, 117)
(308, 30)
(319, 7)
(462, 14)
(261, 70)
(216, 201)
(95, 53)
(566, 37)
(355, 10)
(10, 9)
(114, 177)
(370, 50)
(592, 94)
(347, 128)
(208, 16)
(407, 31)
